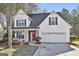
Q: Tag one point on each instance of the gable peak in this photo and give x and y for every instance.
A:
(20, 11)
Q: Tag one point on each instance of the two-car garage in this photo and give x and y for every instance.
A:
(53, 37)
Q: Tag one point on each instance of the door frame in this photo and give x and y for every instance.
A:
(30, 34)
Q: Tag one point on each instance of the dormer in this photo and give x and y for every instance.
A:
(21, 19)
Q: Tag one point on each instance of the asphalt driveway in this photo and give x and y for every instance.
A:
(52, 49)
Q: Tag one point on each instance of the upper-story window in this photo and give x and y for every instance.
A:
(21, 22)
(53, 21)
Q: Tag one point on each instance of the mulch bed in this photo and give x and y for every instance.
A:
(3, 41)
(15, 43)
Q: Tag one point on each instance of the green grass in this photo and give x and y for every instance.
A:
(75, 41)
(25, 50)
(8, 51)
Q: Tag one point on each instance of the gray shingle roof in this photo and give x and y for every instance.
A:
(59, 13)
(37, 19)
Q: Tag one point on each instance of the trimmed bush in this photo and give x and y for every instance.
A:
(38, 38)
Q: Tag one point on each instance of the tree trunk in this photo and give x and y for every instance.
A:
(10, 12)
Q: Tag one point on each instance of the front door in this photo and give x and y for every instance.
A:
(32, 35)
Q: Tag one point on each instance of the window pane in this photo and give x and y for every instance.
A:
(20, 34)
(52, 20)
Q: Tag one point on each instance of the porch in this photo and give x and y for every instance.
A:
(25, 36)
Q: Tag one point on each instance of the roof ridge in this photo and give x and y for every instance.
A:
(41, 13)
(37, 13)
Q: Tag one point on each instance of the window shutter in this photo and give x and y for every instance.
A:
(25, 22)
(49, 20)
(16, 22)
(13, 34)
(56, 21)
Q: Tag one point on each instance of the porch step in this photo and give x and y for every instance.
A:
(33, 44)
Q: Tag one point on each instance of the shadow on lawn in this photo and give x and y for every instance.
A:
(25, 50)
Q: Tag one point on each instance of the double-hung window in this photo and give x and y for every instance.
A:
(20, 34)
(53, 21)
(21, 23)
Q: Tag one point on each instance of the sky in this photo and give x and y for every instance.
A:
(58, 6)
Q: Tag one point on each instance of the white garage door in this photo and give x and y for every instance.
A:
(53, 37)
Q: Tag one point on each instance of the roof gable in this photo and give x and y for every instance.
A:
(20, 12)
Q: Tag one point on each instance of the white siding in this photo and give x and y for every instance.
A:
(28, 22)
(21, 15)
(61, 27)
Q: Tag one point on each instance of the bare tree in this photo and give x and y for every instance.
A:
(10, 9)
(10, 13)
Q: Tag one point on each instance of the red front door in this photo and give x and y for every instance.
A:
(33, 35)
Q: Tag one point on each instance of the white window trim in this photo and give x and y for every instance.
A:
(50, 23)
(21, 25)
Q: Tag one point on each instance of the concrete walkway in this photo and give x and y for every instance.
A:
(56, 50)
(72, 53)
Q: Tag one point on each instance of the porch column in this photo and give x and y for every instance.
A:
(37, 32)
(26, 36)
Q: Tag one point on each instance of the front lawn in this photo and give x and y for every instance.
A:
(25, 50)
(7, 51)
(75, 42)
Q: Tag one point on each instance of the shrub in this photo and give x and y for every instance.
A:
(5, 36)
(38, 38)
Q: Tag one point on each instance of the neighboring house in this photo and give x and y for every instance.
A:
(3, 20)
(3, 25)
(1, 30)
(51, 27)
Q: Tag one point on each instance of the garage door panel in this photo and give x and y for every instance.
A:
(53, 37)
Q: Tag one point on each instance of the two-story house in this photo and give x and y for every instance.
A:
(51, 27)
